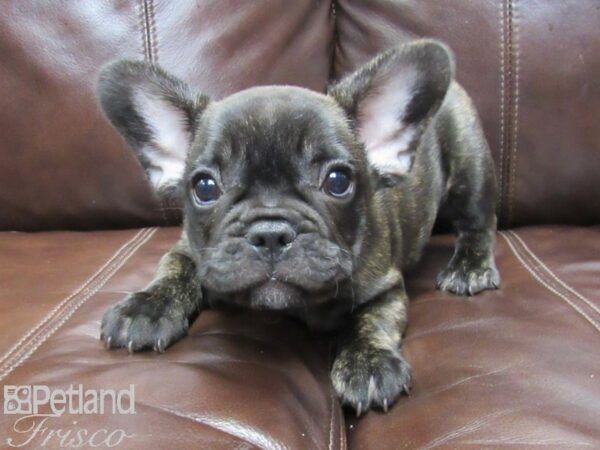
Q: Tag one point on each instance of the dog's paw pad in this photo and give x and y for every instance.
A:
(468, 281)
(142, 322)
(368, 377)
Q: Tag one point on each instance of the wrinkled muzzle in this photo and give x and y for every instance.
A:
(275, 265)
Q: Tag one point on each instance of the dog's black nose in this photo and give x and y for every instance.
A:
(270, 235)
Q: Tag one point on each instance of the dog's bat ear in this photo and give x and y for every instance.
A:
(390, 99)
(156, 113)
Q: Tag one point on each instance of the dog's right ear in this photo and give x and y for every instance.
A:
(156, 113)
(390, 100)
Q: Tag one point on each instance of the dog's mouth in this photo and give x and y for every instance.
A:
(308, 267)
(275, 295)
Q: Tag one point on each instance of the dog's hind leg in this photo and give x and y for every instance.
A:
(470, 203)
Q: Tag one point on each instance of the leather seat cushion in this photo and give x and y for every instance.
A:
(518, 366)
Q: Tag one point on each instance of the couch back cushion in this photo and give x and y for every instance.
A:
(533, 70)
(61, 164)
(531, 67)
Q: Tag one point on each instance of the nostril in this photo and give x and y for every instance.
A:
(257, 239)
(287, 237)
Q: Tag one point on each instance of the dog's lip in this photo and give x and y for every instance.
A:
(272, 277)
(266, 278)
(238, 289)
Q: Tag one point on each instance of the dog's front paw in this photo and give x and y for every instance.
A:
(365, 377)
(463, 278)
(142, 321)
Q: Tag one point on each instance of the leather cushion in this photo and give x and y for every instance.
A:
(515, 367)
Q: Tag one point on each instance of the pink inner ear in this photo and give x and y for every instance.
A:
(393, 156)
(171, 138)
(386, 137)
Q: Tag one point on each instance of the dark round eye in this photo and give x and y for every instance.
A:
(338, 182)
(206, 189)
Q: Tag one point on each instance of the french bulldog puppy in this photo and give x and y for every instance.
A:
(309, 203)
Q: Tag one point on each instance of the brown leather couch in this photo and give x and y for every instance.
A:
(515, 368)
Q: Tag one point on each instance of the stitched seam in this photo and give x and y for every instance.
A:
(77, 291)
(502, 101)
(515, 113)
(509, 98)
(38, 340)
(152, 31)
(147, 32)
(49, 330)
(508, 107)
(343, 445)
(548, 282)
(334, 41)
(538, 276)
(332, 399)
(536, 266)
(91, 288)
(532, 271)
(142, 19)
(553, 275)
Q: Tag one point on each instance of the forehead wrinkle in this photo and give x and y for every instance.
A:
(267, 130)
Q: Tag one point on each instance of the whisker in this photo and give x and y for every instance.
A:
(347, 252)
(352, 296)
(208, 248)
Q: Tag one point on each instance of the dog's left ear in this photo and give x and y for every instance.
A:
(157, 114)
(390, 99)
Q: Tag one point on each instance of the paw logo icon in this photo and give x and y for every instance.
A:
(17, 400)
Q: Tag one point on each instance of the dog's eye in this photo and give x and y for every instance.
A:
(338, 183)
(206, 189)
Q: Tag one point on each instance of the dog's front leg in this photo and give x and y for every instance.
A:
(369, 370)
(159, 315)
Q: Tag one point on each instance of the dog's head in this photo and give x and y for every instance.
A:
(277, 182)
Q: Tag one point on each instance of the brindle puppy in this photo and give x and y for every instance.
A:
(310, 203)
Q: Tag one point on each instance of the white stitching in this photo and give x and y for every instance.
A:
(342, 429)
(558, 280)
(38, 341)
(148, 32)
(63, 302)
(542, 282)
(516, 95)
(343, 445)
(152, 31)
(502, 102)
(332, 398)
(142, 14)
(538, 276)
